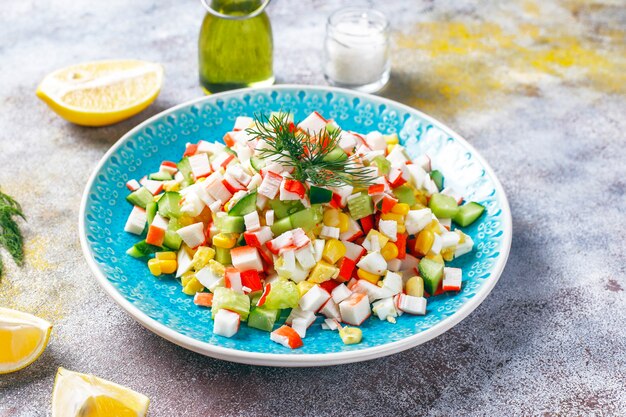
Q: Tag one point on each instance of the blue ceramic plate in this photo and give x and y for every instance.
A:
(159, 304)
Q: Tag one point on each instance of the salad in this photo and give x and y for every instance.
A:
(301, 220)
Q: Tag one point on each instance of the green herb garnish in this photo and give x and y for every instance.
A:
(314, 157)
(10, 235)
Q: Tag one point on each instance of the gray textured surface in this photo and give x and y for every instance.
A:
(549, 340)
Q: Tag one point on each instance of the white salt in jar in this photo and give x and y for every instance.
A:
(357, 49)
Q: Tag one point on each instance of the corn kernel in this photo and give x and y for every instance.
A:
(321, 272)
(165, 256)
(401, 208)
(333, 250)
(389, 251)
(350, 335)
(382, 239)
(154, 265)
(415, 286)
(434, 227)
(344, 222)
(424, 242)
(393, 216)
(448, 254)
(186, 277)
(401, 228)
(202, 257)
(193, 286)
(436, 258)
(331, 218)
(304, 286)
(171, 186)
(390, 148)
(224, 240)
(368, 276)
(185, 221)
(168, 267)
(392, 139)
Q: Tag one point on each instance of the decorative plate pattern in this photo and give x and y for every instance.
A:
(159, 304)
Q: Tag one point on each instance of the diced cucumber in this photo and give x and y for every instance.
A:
(307, 219)
(432, 273)
(257, 163)
(468, 213)
(172, 240)
(319, 195)
(140, 197)
(382, 163)
(225, 298)
(437, 177)
(283, 294)
(185, 168)
(360, 206)
(281, 226)
(285, 208)
(222, 255)
(246, 205)
(161, 176)
(230, 224)
(174, 224)
(169, 204)
(151, 209)
(263, 318)
(336, 154)
(142, 249)
(405, 195)
(443, 206)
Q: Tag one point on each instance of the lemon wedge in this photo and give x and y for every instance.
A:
(101, 93)
(82, 395)
(23, 338)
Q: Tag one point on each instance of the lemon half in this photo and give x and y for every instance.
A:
(23, 338)
(102, 92)
(82, 395)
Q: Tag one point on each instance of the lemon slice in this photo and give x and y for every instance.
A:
(102, 92)
(23, 338)
(82, 395)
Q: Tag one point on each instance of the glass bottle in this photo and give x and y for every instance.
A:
(235, 47)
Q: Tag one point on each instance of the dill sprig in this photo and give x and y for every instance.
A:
(309, 155)
(10, 236)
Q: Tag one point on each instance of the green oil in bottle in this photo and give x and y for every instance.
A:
(235, 51)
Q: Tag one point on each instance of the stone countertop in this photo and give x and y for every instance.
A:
(537, 87)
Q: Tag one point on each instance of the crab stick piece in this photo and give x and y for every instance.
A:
(156, 231)
(410, 304)
(203, 299)
(133, 185)
(245, 258)
(314, 299)
(192, 235)
(287, 337)
(452, 278)
(136, 221)
(355, 309)
(226, 323)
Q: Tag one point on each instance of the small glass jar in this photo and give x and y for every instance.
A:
(235, 46)
(356, 50)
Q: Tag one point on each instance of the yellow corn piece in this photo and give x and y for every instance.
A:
(322, 271)
(224, 240)
(436, 258)
(185, 221)
(424, 242)
(201, 179)
(186, 277)
(393, 216)
(401, 228)
(415, 286)
(202, 257)
(382, 239)
(392, 139)
(193, 286)
(390, 148)
(333, 250)
(368, 276)
(168, 267)
(350, 335)
(154, 265)
(422, 199)
(344, 222)
(448, 254)
(434, 227)
(389, 251)
(401, 208)
(171, 186)
(304, 286)
(331, 218)
(165, 256)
